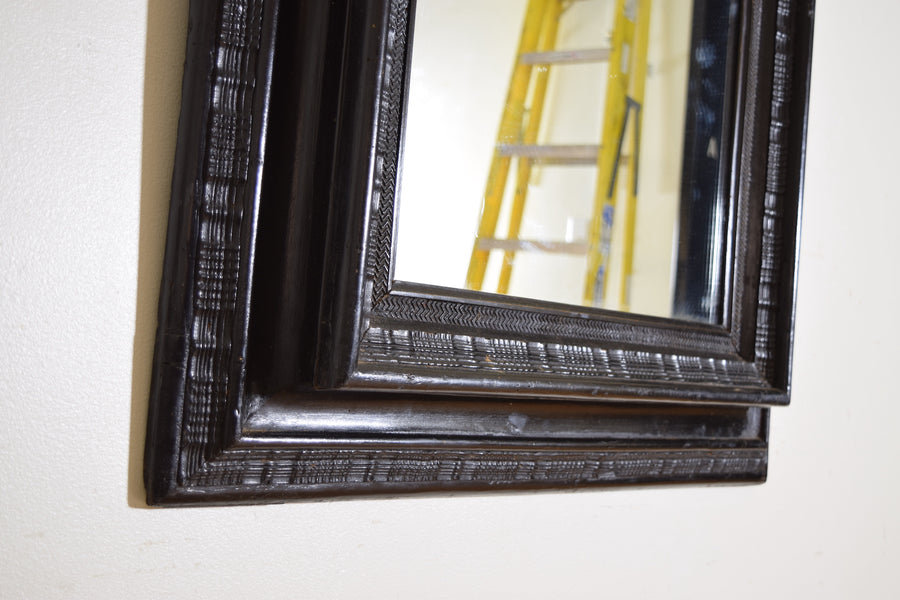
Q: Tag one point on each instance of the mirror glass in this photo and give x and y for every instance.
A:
(572, 151)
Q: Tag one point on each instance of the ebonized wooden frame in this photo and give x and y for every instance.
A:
(289, 365)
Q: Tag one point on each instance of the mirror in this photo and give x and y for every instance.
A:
(587, 171)
(296, 358)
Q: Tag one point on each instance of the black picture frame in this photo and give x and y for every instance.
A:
(288, 365)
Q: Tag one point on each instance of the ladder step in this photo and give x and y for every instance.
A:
(533, 245)
(585, 154)
(556, 57)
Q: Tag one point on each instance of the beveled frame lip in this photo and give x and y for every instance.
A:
(222, 433)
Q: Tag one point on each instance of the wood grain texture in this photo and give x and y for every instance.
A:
(407, 348)
(207, 439)
(276, 475)
(223, 194)
(774, 230)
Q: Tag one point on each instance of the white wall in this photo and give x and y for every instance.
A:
(88, 105)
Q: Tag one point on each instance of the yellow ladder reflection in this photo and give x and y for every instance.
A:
(517, 138)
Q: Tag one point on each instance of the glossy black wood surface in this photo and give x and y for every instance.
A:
(289, 366)
(382, 335)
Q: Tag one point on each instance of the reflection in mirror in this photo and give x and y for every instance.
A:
(570, 151)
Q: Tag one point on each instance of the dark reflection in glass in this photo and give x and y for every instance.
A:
(700, 270)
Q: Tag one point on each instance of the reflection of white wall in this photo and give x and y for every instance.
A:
(659, 185)
(463, 54)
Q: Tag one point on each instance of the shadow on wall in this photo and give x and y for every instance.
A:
(163, 67)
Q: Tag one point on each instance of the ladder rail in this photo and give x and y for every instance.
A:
(510, 126)
(523, 176)
(621, 70)
(638, 83)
